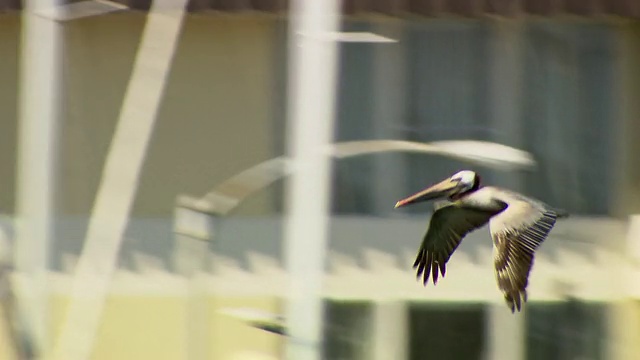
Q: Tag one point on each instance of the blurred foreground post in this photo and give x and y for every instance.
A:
(39, 111)
(310, 116)
(507, 338)
(390, 90)
(390, 330)
(507, 333)
(506, 53)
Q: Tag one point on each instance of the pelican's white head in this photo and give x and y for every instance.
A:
(466, 179)
(453, 188)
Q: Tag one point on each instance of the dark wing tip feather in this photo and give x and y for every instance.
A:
(430, 265)
(515, 300)
(447, 227)
(434, 272)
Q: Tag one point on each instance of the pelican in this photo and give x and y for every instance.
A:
(518, 226)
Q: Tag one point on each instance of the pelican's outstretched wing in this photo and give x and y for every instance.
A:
(447, 227)
(517, 232)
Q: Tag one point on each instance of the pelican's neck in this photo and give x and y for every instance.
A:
(483, 198)
(461, 195)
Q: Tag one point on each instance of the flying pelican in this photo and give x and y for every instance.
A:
(518, 226)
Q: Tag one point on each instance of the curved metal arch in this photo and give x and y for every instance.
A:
(229, 194)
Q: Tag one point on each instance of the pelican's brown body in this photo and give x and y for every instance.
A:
(518, 226)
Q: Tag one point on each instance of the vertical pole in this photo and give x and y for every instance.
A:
(389, 334)
(389, 108)
(506, 329)
(506, 332)
(506, 69)
(39, 112)
(312, 82)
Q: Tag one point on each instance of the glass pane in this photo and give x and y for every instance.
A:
(447, 331)
(565, 331)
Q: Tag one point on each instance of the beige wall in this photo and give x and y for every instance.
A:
(624, 330)
(216, 117)
(9, 47)
(135, 327)
(155, 327)
(231, 339)
(629, 78)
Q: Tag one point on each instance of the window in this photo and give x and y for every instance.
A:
(568, 115)
(567, 330)
(448, 79)
(447, 331)
(346, 328)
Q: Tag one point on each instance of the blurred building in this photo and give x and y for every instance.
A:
(557, 78)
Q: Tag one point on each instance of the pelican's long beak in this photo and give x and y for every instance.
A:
(436, 191)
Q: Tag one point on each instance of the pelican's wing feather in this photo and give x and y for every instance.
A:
(517, 232)
(447, 227)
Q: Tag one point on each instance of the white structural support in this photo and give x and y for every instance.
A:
(389, 89)
(390, 329)
(506, 330)
(310, 115)
(506, 69)
(503, 325)
(120, 178)
(39, 112)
